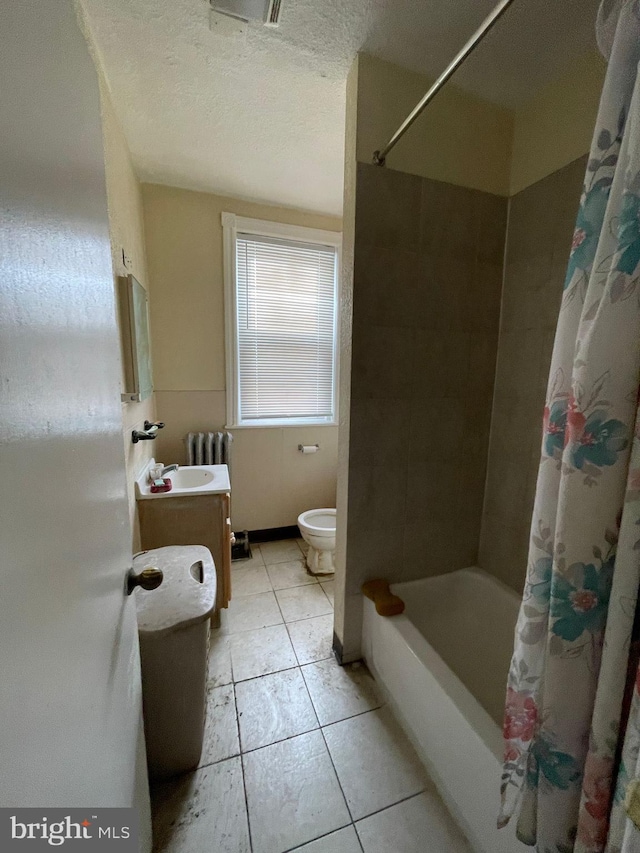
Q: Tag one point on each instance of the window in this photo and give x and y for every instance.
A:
(281, 295)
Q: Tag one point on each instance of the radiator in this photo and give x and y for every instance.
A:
(209, 448)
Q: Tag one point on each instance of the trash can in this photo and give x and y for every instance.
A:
(173, 627)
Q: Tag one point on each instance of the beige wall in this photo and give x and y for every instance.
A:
(467, 141)
(461, 139)
(556, 126)
(271, 481)
(127, 232)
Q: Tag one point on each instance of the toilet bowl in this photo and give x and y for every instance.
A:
(318, 529)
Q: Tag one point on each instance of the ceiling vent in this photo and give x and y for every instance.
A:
(267, 11)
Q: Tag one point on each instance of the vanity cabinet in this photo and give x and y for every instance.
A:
(192, 520)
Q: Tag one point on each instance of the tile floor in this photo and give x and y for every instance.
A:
(299, 754)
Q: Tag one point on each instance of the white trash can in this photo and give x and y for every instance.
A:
(173, 627)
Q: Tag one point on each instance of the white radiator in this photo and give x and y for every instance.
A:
(209, 448)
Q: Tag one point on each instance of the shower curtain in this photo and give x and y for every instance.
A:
(572, 720)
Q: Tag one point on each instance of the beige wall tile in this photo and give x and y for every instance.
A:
(448, 279)
(482, 300)
(387, 208)
(503, 550)
(449, 221)
(519, 363)
(381, 429)
(352, 628)
(483, 350)
(492, 211)
(393, 285)
(382, 362)
(440, 363)
(372, 553)
(447, 416)
(433, 546)
(377, 495)
(433, 485)
(528, 301)
(421, 386)
(540, 226)
(506, 489)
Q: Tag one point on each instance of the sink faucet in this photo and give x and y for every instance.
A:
(168, 468)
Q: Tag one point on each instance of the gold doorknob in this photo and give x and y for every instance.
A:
(149, 578)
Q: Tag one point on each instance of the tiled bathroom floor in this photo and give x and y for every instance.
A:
(300, 753)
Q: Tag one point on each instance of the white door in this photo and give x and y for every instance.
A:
(70, 697)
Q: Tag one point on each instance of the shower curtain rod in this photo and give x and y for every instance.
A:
(379, 157)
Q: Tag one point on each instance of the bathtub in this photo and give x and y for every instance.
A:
(443, 666)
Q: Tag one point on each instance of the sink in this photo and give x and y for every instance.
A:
(190, 478)
(187, 480)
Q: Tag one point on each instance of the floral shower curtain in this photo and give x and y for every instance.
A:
(572, 722)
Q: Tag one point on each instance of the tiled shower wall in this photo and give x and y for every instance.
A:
(541, 222)
(426, 302)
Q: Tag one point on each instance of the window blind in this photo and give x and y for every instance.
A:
(285, 311)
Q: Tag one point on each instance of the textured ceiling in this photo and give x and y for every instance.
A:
(262, 116)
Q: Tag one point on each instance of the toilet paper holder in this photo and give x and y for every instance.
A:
(308, 448)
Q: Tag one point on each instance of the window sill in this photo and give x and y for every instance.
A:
(314, 424)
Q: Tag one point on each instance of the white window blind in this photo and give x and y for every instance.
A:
(286, 320)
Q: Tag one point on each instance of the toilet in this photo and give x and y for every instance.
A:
(318, 529)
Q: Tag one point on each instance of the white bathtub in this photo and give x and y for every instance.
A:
(443, 665)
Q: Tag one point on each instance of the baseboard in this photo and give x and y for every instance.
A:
(272, 534)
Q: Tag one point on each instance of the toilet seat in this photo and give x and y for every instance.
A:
(318, 529)
(321, 522)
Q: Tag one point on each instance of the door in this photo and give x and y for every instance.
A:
(70, 696)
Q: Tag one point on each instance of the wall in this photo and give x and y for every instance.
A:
(347, 609)
(462, 142)
(461, 139)
(541, 222)
(126, 229)
(426, 301)
(271, 481)
(556, 126)
(426, 235)
(473, 143)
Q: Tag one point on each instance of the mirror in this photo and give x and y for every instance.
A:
(136, 348)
